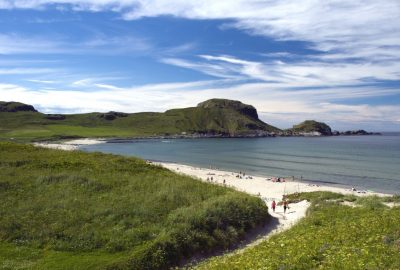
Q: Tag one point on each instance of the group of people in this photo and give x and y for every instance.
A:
(241, 175)
(285, 205)
(279, 180)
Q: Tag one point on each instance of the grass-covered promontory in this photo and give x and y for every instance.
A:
(75, 210)
(339, 232)
(219, 117)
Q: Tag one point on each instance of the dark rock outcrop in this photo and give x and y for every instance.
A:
(231, 104)
(354, 132)
(55, 116)
(112, 115)
(16, 107)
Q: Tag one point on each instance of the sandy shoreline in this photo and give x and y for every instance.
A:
(70, 145)
(260, 185)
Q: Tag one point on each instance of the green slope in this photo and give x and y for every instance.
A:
(75, 210)
(213, 117)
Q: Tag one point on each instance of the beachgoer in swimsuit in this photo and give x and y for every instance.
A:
(285, 206)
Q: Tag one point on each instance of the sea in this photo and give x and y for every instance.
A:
(364, 162)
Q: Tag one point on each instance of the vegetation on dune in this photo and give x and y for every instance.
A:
(213, 117)
(74, 210)
(332, 236)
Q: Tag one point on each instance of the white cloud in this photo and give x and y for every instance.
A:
(42, 81)
(23, 71)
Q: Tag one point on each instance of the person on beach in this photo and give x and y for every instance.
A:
(285, 206)
(273, 205)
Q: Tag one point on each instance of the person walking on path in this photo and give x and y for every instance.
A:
(273, 205)
(285, 206)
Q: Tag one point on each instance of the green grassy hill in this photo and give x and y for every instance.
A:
(311, 126)
(213, 117)
(332, 236)
(75, 210)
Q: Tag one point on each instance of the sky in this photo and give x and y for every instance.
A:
(335, 61)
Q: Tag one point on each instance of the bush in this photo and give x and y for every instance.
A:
(215, 224)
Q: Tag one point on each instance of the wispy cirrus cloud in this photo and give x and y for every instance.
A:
(42, 81)
(299, 73)
(25, 71)
(17, 44)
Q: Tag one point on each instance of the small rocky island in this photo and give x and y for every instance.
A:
(309, 128)
(314, 128)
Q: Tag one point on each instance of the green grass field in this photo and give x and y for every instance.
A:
(332, 236)
(75, 210)
(33, 126)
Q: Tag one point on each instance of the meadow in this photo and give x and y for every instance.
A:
(75, 210)
(363, 235)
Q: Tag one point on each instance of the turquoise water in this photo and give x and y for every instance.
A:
(366, 162)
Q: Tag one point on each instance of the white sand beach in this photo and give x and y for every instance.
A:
(258, 185)
(70, 145)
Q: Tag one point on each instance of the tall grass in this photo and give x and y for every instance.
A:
(121, 211)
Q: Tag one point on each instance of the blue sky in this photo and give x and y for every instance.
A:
(332, 60)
